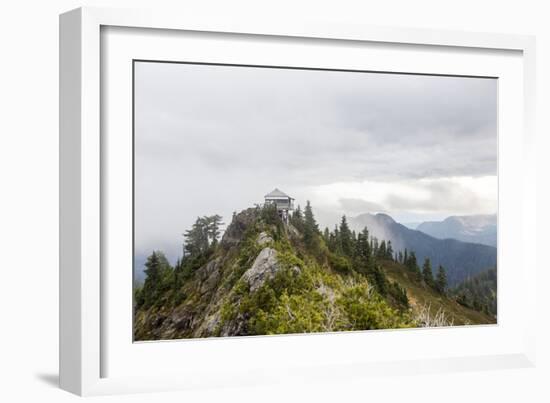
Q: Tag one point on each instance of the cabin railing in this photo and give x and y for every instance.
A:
(282, 204)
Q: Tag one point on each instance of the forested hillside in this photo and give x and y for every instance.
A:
(269, 277)
(479, 292)
(461, 259)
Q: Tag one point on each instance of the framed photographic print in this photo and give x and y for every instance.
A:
(245, 195)
(359, 151)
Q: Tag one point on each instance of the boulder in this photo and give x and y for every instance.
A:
(265, 266)
(209, 276)
(263, 239)
(240, 222)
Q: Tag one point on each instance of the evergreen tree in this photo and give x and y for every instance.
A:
(365, 234)
(410, 261)
(441, 280)
(297, 219)
(297, 214)
(269, 214)
(346, 239)
(399, 294)
(374, 246)
(178, 274)
(212, 226)
(326, 236)
(332, 242)
(362, 252)
(337, 242)
(157, 271)
(363, 246)
(204, 234)
(196, 238)
(380, 281)
(427, 274)
(310, 227)
(412, 265)
(381, 253)
(310, 219)
(389, 251)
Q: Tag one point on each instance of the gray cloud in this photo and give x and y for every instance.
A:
(441, 197)
(216, 139)
(360, 206)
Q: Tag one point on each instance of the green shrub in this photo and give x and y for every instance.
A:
(339, 263)
(366, 310)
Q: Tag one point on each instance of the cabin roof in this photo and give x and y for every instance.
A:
(277, 193)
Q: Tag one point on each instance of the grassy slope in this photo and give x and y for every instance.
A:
(420, 295)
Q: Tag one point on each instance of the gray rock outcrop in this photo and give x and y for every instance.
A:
(240, 222)
(263, 239)
(265, 267)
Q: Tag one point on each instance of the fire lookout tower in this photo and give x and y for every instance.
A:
(284, 203)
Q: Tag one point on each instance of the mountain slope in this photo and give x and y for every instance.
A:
(475, 229)
(460, 259)
(479, 292)
(423, 297)
(266, 277)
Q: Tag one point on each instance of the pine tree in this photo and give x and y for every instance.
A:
(374, 246)
(381, 253)
(157, 279)
(365, 234)
(212, 228)
(332, 242)
(410, 261)
(389, 251)
(337, 242)
(204, 233)
(363, 246)
(427, 274)
(297, 219)
(362, 252)
(412, 265)
(326, 235)
(196, 238)
(380, 281)
(297, 214)
(310, 227)
(441, 280)
(346, 239)
(178, 267)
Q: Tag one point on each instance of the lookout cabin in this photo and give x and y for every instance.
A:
(284, 203)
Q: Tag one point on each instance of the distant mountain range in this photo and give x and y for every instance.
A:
(460, 259)
(475, 228)
(411, 225)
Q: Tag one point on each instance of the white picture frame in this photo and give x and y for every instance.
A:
(85, 344)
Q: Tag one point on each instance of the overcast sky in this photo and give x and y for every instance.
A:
(216, 139)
